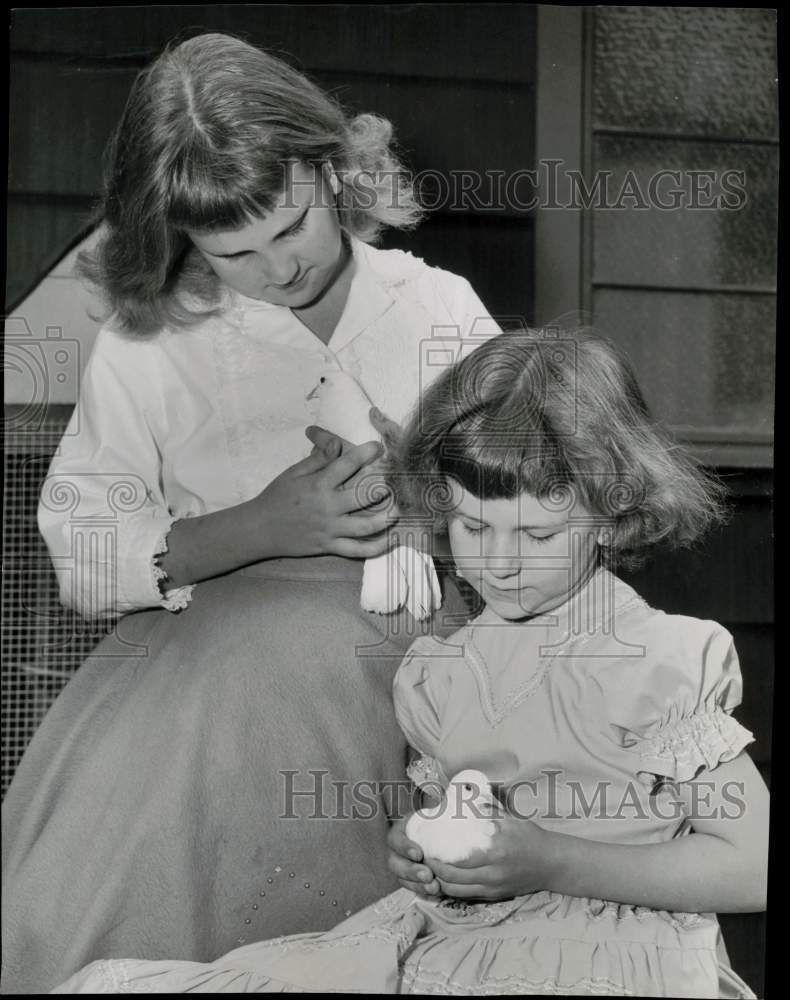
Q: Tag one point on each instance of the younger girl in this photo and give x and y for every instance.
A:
(632, 811)
(199, 751)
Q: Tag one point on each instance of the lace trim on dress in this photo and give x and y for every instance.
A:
(425, 771)
(433, 983)
(176, 598)
(682, 749)
(114, 974)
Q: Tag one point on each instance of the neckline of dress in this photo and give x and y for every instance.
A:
(585, 603)
(552, 617)
(366, 300)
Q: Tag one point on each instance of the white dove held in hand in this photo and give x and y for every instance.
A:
(402, 576)
(461, 824)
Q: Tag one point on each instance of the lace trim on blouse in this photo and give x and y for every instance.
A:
(175, 598)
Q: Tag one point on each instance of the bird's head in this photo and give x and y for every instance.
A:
(335, 382)
(472, 785)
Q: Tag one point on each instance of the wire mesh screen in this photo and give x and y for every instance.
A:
(43, 643)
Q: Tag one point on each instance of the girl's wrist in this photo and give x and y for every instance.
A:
(549, 858)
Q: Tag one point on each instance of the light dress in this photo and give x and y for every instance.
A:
(577, 715)
(179, 797)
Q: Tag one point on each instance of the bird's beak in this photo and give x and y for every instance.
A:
(313, 393)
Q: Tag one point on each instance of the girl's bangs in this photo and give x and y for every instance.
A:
(491, 467)
(203, 197)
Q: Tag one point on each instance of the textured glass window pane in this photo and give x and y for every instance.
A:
(685, 246)
(705, 362)
(708, 70)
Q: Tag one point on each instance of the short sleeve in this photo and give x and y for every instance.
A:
(673, 708)
(420, 692)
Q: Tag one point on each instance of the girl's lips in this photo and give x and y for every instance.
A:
(505, 590)
(296, 283)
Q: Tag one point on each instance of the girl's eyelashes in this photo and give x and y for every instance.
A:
(298, 227)
(540, 539)
(473, 529)
(478, 529)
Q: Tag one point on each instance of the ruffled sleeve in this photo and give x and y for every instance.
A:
(420, 691)
(673, 708)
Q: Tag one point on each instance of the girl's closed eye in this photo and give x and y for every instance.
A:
(473, 529)
(297, 227)
(539, 539)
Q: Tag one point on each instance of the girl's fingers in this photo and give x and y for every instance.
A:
(352, 548)
(400, 843)
(315, 462)
(325, 439)
(421, 888)
(463, 891)
(363, 525)
(389, 430)
(351, 461)
(367, 502)
(408, 870)
(368, 488)
(473, 870)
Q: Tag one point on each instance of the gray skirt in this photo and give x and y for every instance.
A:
(211, 778)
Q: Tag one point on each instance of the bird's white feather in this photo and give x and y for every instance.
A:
(344, 408)
(402, 576)
(460, 824)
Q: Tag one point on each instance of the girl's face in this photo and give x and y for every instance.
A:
(520, 555)
(290, 256)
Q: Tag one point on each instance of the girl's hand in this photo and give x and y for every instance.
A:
(389, 430)
(517, 862)
(404, 862)
(316, 506)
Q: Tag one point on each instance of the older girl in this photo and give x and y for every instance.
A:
(180, 796)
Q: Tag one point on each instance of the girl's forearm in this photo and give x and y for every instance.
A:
(199, 548)
(699, 873)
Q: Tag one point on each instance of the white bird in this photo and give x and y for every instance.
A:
(460, 824)
(403, 576)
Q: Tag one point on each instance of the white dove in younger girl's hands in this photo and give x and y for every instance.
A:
(461, 824)
(402, 576)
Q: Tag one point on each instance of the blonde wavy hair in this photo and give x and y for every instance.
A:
(201, 145)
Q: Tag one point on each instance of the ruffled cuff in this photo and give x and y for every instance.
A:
(172, 598)
(679, 751)
(142, 581)
(426, 773)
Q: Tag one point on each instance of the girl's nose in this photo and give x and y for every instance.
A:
(503, 558)
(281, 270)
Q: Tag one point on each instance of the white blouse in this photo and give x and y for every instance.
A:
(192, 421)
